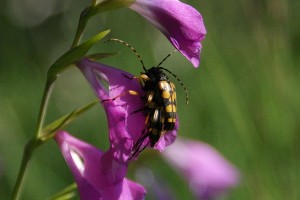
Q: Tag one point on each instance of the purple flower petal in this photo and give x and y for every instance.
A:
(157, 187)
(180, 23)
(96, 173)
(207, 172)
(125, 128)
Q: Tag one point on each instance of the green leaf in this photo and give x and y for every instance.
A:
(73, 55)
(67, 193)
(49, 131)
(106, 5)
(98, 56)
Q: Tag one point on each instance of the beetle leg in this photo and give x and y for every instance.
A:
(138, 78)
(137, 151)
(137, 146)
(131, 92)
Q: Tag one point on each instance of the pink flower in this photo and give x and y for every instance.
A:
(180, 23)
(125, 127)
(97, 174)
(208, 173)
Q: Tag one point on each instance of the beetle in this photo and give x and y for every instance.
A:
(159, 101)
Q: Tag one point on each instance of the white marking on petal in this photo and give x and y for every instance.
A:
(78, 161)
(102, 80)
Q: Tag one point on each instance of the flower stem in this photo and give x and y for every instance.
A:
(41, 119)
(94, 2)
(25, 160)
(84, 17)
(35, 141)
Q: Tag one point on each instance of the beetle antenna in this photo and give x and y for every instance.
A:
(175, 76)
(166, 58)
(132, 49)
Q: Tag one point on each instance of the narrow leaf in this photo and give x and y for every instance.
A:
(67, 193)
(106, 5)
(74, 55)
(49, 131)
(98, 56)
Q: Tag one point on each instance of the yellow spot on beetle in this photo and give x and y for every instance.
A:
(166, 95)
(172, 85)
(174, 96)
(170, 120)
(170, 108)
(145, 77)
(164, 85)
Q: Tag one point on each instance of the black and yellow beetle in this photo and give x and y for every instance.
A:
(159, 102)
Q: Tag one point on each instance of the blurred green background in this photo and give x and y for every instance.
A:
(244, 97)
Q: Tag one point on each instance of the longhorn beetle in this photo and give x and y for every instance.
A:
(159, 101)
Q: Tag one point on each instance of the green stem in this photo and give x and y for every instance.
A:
(94, 2)
(28, 150)
(34, 142)
(84, 17)
(43, 108)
